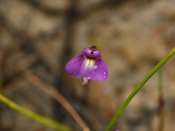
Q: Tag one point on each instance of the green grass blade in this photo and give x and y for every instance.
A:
(38, 118)
(130, 97)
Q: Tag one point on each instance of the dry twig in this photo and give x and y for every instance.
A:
(30, 77)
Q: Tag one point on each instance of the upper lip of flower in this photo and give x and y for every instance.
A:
(91, 53)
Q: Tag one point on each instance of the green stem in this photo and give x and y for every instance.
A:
(43, 120)
(130, 97)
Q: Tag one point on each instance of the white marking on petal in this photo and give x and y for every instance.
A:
(89, 77)
(95, 66)
(89, 63)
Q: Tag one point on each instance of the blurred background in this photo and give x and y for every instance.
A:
(38, 37)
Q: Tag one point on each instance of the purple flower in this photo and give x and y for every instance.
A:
(88, 65)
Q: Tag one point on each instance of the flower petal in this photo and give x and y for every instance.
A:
(73, 67)
(99, 72)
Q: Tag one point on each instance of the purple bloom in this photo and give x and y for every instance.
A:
(88, 65)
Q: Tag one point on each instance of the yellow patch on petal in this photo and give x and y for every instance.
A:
(89, 63)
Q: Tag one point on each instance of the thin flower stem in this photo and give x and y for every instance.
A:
(43, 120)
(1, 84)
(134, 92)
(160, 80)
(160, 101)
